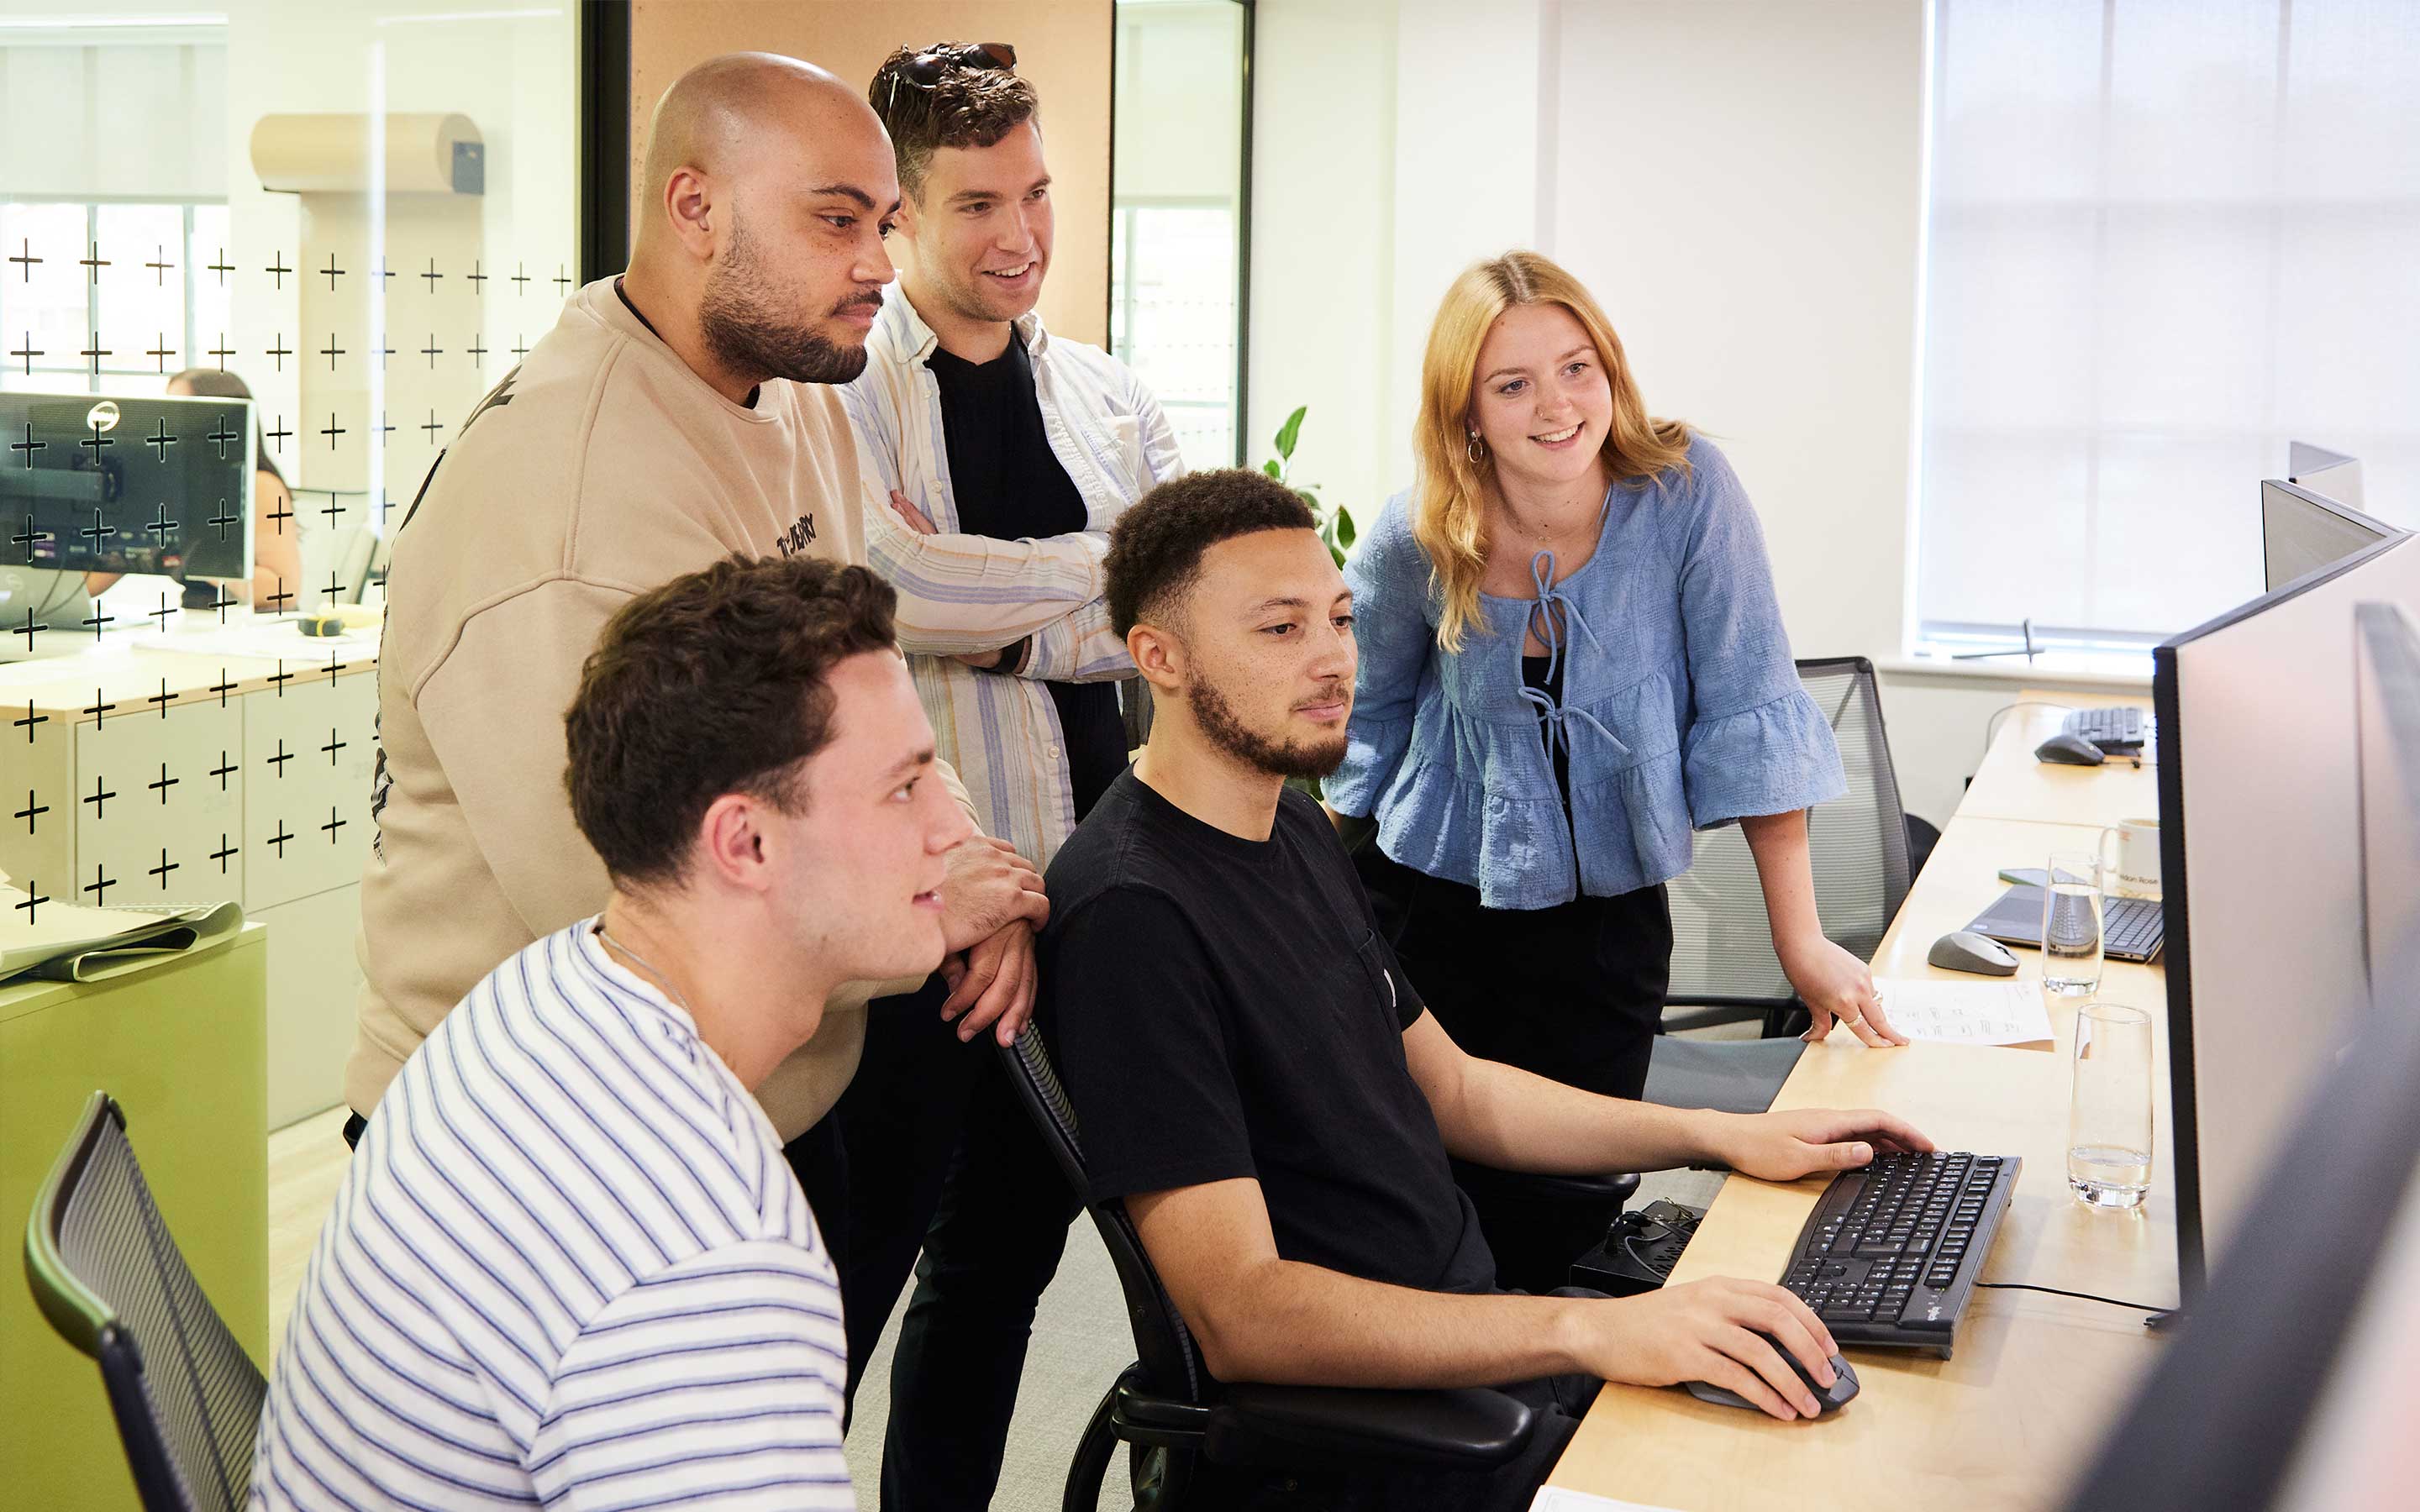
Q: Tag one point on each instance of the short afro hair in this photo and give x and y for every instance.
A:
(1155, 548)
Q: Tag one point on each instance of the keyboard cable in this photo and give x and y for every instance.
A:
(2157, 1317)
(1992, 725)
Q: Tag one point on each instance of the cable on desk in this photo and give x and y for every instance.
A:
(1992, 725)
(2158, 1313)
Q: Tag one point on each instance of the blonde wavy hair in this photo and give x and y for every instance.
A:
(1449, 501)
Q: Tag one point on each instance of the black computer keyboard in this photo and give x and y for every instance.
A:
(1890, 1254)
(2121, 728)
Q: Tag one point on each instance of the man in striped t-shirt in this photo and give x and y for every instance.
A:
(569, 1264)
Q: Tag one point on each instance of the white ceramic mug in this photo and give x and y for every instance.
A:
(2135, 871)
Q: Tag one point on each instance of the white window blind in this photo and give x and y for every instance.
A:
(2164, 237)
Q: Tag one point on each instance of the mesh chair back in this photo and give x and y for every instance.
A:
(1722, 941)
(1163, 1345)
(113, 1283)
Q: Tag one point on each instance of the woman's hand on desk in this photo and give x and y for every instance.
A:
(1783, 1147)
(1836, 986)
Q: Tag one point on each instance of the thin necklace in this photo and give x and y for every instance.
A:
(1544, 537)
(641, 962)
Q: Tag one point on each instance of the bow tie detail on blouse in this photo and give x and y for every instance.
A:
(1554, 611)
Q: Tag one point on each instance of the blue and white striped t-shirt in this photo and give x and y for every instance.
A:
(569, 1266)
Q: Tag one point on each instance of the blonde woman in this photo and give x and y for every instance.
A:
(1570, 659)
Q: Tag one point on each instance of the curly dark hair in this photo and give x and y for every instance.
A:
(973, 103)
(712, 684)
(1155, 548)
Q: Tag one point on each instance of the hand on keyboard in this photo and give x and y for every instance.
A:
(1707, 1331)
(1783, 1147)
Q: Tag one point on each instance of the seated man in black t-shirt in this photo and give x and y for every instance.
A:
(1259, 1083)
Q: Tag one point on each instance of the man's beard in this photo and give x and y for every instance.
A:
(747, 337)
(1289, 757)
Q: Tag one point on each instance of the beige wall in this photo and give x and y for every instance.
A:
(1061, 45)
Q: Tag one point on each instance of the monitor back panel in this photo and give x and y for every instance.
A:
(2270, 753)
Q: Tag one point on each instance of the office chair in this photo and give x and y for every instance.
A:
(1723, 963)
(1169, 1412)
(108, 1275)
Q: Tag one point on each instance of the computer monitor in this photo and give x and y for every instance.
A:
(2387, 689)
(2261, 866)
(98, 482)
(2332, 473)
(2302, 531)
(2292, 1382)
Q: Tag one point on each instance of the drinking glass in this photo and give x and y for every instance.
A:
(2070, 932)
(2109, 1117)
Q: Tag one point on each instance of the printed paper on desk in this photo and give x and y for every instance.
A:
(1966, 1012)
(1556, 1499)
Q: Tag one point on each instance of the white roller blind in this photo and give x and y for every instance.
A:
(2164, 237)
(102, 112)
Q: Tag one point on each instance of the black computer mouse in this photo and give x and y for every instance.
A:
(1843, 1388)
(2070, 750)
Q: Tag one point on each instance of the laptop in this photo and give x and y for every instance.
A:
(2131, 928)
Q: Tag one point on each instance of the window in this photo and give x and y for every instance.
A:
(2165, 239)
(144, 323)
(1172, 318)
(1177, 214)
(366, 214)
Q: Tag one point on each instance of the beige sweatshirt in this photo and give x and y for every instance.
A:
(600, 468)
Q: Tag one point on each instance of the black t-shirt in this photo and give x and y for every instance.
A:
(1224, 1008)
(1011, 487)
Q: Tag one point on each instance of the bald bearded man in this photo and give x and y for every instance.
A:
(673, 416)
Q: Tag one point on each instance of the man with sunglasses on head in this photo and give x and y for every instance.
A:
(1007, 452)
(676, 415)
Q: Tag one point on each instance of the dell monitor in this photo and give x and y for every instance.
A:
(2387, 689)
(2262, 871)
(2302, 531)
(2332, 473)
(2291, 1386)
(93, 483)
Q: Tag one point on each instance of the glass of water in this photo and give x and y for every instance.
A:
(2070, 933)
(2109, 1120)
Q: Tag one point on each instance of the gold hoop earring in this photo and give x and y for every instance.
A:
(1476, 450)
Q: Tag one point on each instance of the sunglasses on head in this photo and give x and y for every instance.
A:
(925, 69)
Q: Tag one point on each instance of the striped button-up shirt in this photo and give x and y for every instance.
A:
(960, 593)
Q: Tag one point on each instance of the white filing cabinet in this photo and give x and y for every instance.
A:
(143, 776)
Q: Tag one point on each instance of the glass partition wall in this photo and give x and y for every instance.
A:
(1180, 176)
(365, 214)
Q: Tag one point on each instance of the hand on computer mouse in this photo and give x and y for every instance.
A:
(1722, 1330)
(1829, 1399)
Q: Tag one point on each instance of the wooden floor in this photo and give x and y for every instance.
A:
(307, 1165)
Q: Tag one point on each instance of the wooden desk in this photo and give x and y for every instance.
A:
(2036, 1378)
(2011, 784)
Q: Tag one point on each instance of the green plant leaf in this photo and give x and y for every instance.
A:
(1289, 431)
(1271, 468)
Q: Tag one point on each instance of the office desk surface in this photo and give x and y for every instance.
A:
(2011, 784)
(2012, 1417)
(145, 678)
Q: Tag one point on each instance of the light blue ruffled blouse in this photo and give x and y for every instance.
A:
(1681, 708)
